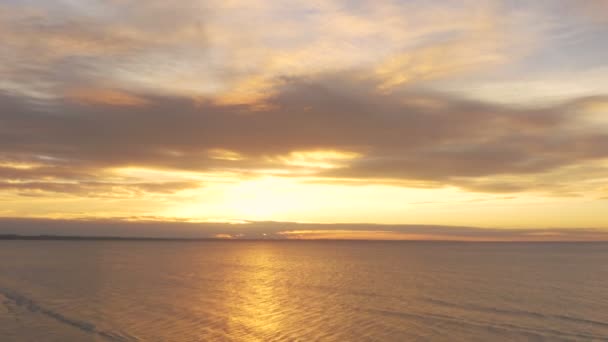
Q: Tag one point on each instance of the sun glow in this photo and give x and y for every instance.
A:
(323, 159)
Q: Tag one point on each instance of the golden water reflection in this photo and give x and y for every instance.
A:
(256, 295)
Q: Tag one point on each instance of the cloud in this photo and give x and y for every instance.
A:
(50, 47)
(105, 96)
(330, 127)
(591, 9)
(235, 52)
(98, 189)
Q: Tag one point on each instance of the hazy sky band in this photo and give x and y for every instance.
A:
(150, 227)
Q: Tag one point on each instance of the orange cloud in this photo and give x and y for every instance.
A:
(105, 96)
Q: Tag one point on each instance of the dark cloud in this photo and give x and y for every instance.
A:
(422, 137)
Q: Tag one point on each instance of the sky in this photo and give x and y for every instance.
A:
(306, 119)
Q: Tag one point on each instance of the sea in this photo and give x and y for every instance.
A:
(302, 291)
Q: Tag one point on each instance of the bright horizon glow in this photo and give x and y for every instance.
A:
(272, 198)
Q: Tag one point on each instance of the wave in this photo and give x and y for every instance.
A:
(30, 305)
(530, 333)
(519, 313)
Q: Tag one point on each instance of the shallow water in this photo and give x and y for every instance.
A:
(325, 291)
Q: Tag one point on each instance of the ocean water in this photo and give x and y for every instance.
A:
(302, 291)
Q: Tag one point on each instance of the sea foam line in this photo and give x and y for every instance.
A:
(31, 306)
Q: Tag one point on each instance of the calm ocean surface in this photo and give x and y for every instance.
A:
(302, 291)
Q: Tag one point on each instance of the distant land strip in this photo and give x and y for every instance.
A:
(111, 238)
